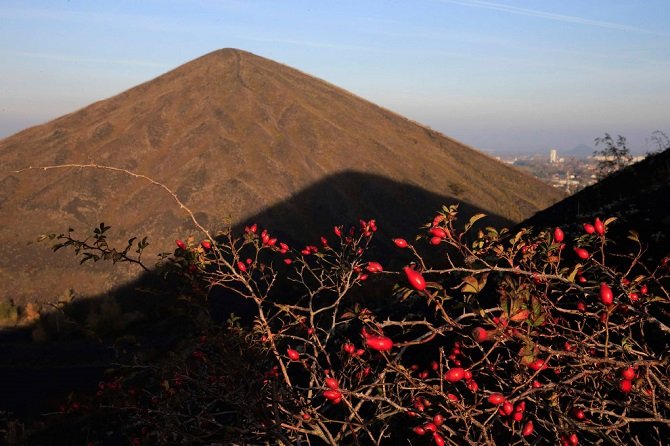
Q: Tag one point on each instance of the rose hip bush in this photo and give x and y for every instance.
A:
(461, 336)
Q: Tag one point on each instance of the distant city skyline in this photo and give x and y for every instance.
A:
(502, 76)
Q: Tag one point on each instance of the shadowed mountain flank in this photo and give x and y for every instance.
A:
(232, 134)
(146, 304)
(637, 196)
(399, 208)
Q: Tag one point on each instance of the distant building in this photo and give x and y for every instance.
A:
(553, 156)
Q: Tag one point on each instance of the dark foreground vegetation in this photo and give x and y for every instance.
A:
(465, 335)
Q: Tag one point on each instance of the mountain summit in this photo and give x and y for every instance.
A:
(233, 134)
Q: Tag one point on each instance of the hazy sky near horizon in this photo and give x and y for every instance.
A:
(500, 75)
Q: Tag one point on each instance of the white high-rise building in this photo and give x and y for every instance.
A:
(553, 156)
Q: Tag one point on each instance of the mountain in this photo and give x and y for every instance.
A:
(636, 195)
(233, 135)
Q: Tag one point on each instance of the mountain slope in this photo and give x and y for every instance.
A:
(231, 133)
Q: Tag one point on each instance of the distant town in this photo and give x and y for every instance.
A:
(570, 172)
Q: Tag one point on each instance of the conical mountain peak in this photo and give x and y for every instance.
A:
(233, 134)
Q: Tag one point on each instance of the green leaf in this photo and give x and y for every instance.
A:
(473, 219)
(573, 274)
(526, 350)
(536, 306)
(538, 321)
(470, 285)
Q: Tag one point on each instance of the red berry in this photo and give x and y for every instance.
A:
(430, 427)
(573, 439)
(537, 364)
(578, 413)
(520, 407)
(527, 429)
(180, 244)
(599, 226)
(644, 290)
(379, 343)
(508, 408)
(206, 245)
(419, 430)
(606, 295)
(438, 439)
(293, 354)
(455, 374)
(626, 385)
(588, 228)
(332, 383)
(581, 253)
(415, 278)
(628, 373)
(374, 267)
(438, 419)
(333, 396)
(496, 398)
(558, 235)
(400, 242)
(438, 232)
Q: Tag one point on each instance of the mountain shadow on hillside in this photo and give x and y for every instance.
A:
(399, 208)
(140, 316)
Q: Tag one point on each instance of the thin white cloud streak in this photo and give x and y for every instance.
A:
(68, 58)
(550, 16)
(142, 22)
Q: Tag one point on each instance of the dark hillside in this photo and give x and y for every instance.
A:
(639, 196)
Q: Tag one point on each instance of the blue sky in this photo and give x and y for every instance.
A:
(500, 75)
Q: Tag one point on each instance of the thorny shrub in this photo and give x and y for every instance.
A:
(500, 338)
